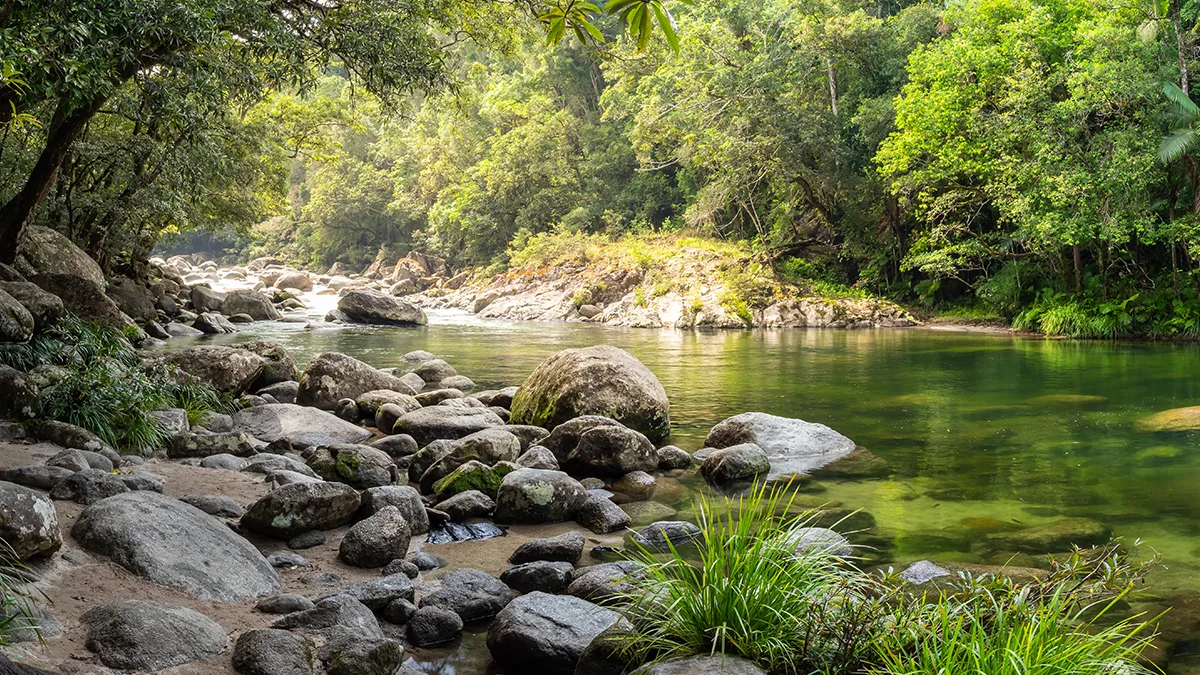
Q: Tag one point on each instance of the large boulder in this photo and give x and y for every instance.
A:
(301, 507)
(299, 425)
(403, 497)
(88, 487)
(530, 496)
(546, 633)
(28, 521)
(133, 298)
(150, 636)
(599, 380)
(45, 308)
(359, 466)
(331, 377)
(227, 369)
(175, 544)
(445, 423)
(43, 250)
(487, 447)
(84, 299)
(16, 323)
(18, 395)
(205, 299)
(334, 617)
(252, 303)
(293, 279)
(281, 367)
(793, 446)
(370, 306)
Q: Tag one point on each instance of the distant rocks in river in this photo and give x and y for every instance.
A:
(373, 307)
(793, 446)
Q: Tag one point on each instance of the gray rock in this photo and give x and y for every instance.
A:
(792, 445)
(376, 541)
(538, 496)
(71, 436)
(923, 571)
(284, 603)
(702, 664)
(424, 458)
(372, 307)
(215, 422)
(280, 478)
(333, 617)
(417, 356)
(227, 369)
(566, 547)
(399, 611)
(224, 461)
(604, 583)
(281, 367)
(173, 420)
(440, 422)
(671, 457)
(664, 535)
(234, 443)
(252, 303)
(18, 395)
(598, 380)
(211, 323)
(142, 480)
(175, 330)
(370, 402)
(613, 450)
(433, 371)
(71, 460)
(174, 544)
(299, 425)
(43, 477)
(563, 438)
(280, 559)
(437, 396)
(488, 447)
(16, 323)
(270, 651)
(460, 382)
(43, 307)
(150, 636)
(282, 392)
(215, 505)
(413, 380)
(433, 625)
(363, 656)
(469, 504)
(538, 457)
(300, 507)
(88, 487)
(738, 462)
(331, 377)
(86, 300)
(540, 575)
(359, 466)
(205, 299)
(269, 462)
(471, 594)
(396, 445)
(403, 497)
(546, 633)
(28, 522)
(600, 515)
(424, 561)
(307, 540)
(528, 434)
(376, 594)
(820, 540)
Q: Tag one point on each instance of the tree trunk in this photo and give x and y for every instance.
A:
(1181, 47)
(64, 128)
(1078, 259)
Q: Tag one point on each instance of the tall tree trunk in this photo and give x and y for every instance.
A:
(1181, 47)
(65, 126)
(1077, 257)
(831, 74)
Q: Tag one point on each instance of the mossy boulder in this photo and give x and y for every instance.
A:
(359, 466)
(473, 475)
(599, 380)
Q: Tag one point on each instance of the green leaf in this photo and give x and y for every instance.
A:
(668, 26)
(1177, 144)
(1179, 98)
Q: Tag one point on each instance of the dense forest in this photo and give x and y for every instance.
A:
(1027, 160)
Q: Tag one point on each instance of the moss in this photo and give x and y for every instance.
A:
(473, 476)
(346, 465)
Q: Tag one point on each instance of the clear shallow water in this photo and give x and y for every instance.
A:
(972, 425)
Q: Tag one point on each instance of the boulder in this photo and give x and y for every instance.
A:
(16, 323)
(227, 369)
(280, 367)
(282, 392)
(403, 497)
(182, 330)
(41, 477)
(45, 250)
(540, 575)
(301, 426)
(665, 535)
(702, 664)
(467, 504)
(45, 308)
(600, 515)
(376, 541)
(671, 458)
(363, 656)
(604, 583)
(284, 603)
(133, 298)
(531, 496)
(471, 594)
(88, 487)
(234, 443)
(18, 395)
(438, 396)
(546, 633)
(175, 544)
(84, 299)
(566, 547)
(294, 279)
(793, 446)
(331, 377)
(150, 636)
(538, 457)
(563, 439)
(599, 380)
(421, 460)
(396, 445)
(738, 462)
(1174, 420)
(269, 463)
(377, 594)
(370, 402)
(472, 476)
(205, 299)
(443, 423)
(433, 371)
(215, 505)
(373, 307)
(227, 462)
(334, 617)
(459, 382)
(433, 625)
(252, 303)
(172, 420)
(211, 323)
(300, 507)
(70, 436)
(28, 522)
(614, 451)
(359, 466)
(271, 651)
(488, 447)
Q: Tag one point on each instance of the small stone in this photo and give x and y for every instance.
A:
(433, 625)
(285, 603)
(400, 566)
(286, 559)
(671, 457)
(307, 540)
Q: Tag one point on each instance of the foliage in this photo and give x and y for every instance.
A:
(17, 611)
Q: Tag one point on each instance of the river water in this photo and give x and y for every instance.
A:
(976, 428)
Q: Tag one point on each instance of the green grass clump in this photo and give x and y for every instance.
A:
(17, 612)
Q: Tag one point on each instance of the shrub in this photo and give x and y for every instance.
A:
(16, 603)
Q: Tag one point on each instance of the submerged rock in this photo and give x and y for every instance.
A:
(1176, 419)
(1053, 537)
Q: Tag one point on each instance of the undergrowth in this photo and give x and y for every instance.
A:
(17, 612)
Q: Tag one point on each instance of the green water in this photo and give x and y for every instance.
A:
(971, 425)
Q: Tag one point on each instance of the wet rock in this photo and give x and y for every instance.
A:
(820, 540)
(604, 583)
(88, 487)
(1174, 420)
(538, 496)
(372, 307)
(671, 458)
(376, 541)
(150, 636)
(331, 376)
(300, 507)
(28, 522)
(601, 516)
(182, 330)
(1053, 537)
(636, 484)
(792, 445)
(467, 504)
(546, 633)
(644, 513)
(860, 463)
(285, 603)
(566, 547)
(738, 462)
(301, 426)
(440, 422)
(592, 381)
(540, 575)
(271, 651)
(233, 443)
(337, 616)
(614, 451)
(702, 664)
(665, 535)
(471, 594)
(538, 457)
(433, 625)
(174, 544)
(403, 497)
(42, 477)
(448, 532)
(358, 466)
(227, 369)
